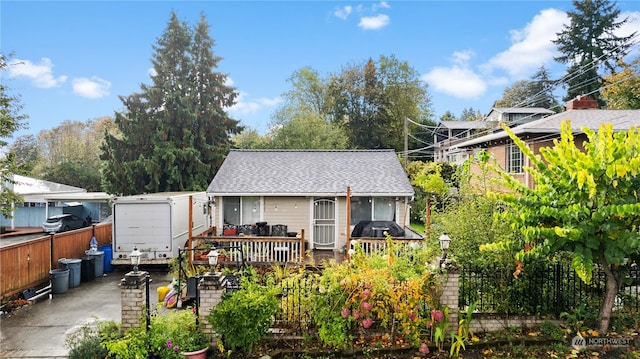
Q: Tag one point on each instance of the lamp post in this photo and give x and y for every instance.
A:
(445, 240)
(135, 259)
(212, 256)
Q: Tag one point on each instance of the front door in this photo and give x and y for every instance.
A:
(324, 223)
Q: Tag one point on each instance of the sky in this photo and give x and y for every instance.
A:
(72, 60)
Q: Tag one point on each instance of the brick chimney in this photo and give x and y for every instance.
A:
(582, 102)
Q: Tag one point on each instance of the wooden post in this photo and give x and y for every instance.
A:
(348, 244)
(304, 250)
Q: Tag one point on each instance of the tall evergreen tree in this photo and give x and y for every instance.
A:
(536, 92)
(175, 133)
(541, 89)
(588, 44)
(469, 114)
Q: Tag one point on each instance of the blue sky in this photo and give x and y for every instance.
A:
(73, 59)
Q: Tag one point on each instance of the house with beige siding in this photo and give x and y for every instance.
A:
(324, 193)
(581, 112)
(449, 134)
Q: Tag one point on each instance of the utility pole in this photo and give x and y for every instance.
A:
(406, 142)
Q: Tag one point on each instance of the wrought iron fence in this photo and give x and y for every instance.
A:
(542, 290)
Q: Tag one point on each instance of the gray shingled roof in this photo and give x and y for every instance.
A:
(591, 118)
(536, 110)
(311, 172)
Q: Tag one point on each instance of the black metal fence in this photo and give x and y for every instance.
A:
(541, 290)
(538, 291)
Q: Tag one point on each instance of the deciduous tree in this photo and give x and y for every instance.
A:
(622, 89)
(585, 202)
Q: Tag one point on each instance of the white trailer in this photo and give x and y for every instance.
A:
(157, 224)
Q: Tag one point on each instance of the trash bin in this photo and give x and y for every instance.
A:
(59, 280)
(108, 255)
(73, 265)
(88, 268)
(99, 262)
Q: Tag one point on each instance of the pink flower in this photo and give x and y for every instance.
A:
(345, 312)
(356, 314)
(429, 324)
(412, 315)
(169, 344)
(343, 282)
(366, 293)
(366, 306)
(367, 323)
(424, 349)
(437, 315)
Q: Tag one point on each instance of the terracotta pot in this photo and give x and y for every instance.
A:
(198, 354)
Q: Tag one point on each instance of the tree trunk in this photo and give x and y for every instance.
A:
(611, 290)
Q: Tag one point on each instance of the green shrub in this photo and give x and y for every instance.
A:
(244, 317)
(86, 342)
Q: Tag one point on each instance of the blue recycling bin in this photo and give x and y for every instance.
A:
(108, 256)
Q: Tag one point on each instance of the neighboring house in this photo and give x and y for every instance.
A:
(581, 112)
(448, 134)
(514, 116)
(42, 199)
(291, 190)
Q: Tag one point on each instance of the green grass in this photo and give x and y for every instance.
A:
(418, 227)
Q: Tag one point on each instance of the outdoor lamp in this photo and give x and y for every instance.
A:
(213, 259)
(444, 245)
(135, 259)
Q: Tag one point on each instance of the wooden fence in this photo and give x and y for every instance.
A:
(27, 264)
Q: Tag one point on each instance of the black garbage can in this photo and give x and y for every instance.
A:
(88, 269)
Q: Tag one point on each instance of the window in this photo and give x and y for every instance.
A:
(514, 158)
(241, 210)
(372, 209)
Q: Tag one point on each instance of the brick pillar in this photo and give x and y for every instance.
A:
(211, 289)
(449, 297)
(133, 297)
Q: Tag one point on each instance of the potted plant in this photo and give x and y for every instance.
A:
(176, 335)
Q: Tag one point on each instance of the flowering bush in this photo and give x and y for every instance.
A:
(168, 336)
(391, 291)
(175, 332)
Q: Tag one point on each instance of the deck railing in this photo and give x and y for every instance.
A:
(254, 249)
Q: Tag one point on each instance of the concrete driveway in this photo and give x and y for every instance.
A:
(39, 330)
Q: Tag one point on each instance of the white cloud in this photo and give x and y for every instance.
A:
(245, 106)
(462, 57)
(40, 74)
(343, 12)
(94, 87)
(456, 81)
(373, 22)
(381, 5)
(632, 25)
(531, 47)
